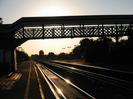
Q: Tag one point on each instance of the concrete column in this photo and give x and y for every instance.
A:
(11, 58)
(8, 60)
(14, 60)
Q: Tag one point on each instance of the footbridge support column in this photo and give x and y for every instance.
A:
(8, 61)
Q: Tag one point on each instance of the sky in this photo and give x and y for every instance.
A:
(12, 10)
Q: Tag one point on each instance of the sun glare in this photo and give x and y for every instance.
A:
(53, 11)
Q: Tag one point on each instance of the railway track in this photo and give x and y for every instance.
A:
(47, 80)
(128, 76)
(61, 87)
(100, 82)
(36, 81)
(106, 77)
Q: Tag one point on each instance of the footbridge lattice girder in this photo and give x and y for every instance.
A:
(66, 27)
(70, 31)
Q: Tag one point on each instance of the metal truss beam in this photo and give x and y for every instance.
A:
(70, 31)
(66, 27)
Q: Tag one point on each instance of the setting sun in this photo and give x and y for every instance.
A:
(53, 11)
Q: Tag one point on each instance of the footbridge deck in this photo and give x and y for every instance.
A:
(67, 27)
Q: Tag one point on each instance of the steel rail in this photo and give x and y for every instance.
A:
(39, 84)
(90, 66)
(100, 70)
(71, 84)
(66, 81)
(112, 80)
(50, 84)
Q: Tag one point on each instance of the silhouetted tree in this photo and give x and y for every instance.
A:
(41, 55)
(93, 50)
(51, 55)
(85, 45)
(104, 47)
(105, 51)
(63, 56)
(77, 52)
(34, 57)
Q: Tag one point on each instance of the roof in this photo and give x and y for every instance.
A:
(74, 20)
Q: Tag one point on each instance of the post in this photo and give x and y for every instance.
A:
(14, 60)
(116, 37)
(8, 60)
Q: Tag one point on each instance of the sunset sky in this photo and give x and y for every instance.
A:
(12, 10)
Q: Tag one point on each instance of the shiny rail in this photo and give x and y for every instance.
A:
(94, 75)
(52, 78)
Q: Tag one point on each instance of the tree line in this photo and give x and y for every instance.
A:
(105, 50)
(101, 50)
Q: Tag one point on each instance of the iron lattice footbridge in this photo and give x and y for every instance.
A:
(69, 27)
